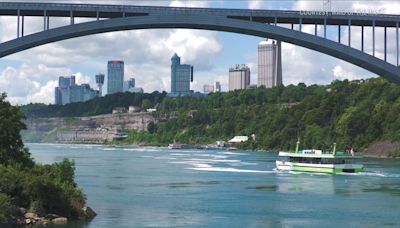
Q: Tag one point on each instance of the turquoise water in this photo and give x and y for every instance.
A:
(157, 187)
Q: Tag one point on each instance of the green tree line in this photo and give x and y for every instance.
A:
(97, 106)
(353, 114)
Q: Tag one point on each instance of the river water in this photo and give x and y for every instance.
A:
(158, 187)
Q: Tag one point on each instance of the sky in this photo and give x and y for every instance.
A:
(31, 75)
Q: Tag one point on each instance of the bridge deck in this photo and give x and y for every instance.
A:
(264, 16)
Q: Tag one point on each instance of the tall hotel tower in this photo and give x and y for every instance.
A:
(239, 77)
(269, 64)
(181, 76)
(115, 77)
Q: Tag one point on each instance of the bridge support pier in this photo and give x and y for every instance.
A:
(325, 28)
(339, 28)
(362, 38)
(397, 43)
(385, 43)
(316, 30)
(44, 20)
(22, 26)
(18, 16)
(300, 23)
(373, 38)
(349, 32)
(71, 15)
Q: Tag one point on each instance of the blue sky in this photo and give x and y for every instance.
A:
(31, 75)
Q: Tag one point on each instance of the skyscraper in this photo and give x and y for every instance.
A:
(217, 86)
(62, 92)
(100, 82)
(115, 77)
(239, 77)
(181, 76)
(131, 83)
(269, 64)
(68, 92)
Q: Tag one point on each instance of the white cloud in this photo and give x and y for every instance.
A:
(23, 86)
(255, 4)
(188, 3)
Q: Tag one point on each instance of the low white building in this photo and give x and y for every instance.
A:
(239, 139)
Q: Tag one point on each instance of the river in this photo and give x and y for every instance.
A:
(158, 187)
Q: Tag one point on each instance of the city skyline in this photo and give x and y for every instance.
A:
(36, 70)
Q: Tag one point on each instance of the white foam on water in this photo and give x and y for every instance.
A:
(165, 158)
(232, 170)
(200, 165)
(248, 163)
(147, 149)
(212, 155)
(176, 154)
(131, 149)
(109, 149)
(146, 156)
(230, 153)
(215, 160)
(372, 174)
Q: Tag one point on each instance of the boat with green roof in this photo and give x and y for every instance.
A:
(319, 161)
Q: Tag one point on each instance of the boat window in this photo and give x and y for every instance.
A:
(284, 159)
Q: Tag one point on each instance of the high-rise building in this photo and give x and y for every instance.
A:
(115, 77)
(217, 87)
(61, 93)
(130, 86)
(239, 77)
(100, 83)
(131, 83)
(68, 92)
(181, 76)
(269, 64)
(81, 93)
(208, 88)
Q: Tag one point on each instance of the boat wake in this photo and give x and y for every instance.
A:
(228, 169)
(372, 174)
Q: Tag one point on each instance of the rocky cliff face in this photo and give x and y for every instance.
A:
(93, 129)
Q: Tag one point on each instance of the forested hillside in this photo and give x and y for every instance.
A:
(350, 113)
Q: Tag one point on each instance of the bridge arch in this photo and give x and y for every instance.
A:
(218, 23)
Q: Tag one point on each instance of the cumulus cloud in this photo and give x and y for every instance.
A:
(23, 85)
(255, 4)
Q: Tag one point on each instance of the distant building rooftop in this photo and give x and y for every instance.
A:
(238, 139)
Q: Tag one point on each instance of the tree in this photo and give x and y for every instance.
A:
(146, 103)
(12, 149)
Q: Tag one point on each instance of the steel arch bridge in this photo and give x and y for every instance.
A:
(262, 23)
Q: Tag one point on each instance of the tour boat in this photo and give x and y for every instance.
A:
(319, 161)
